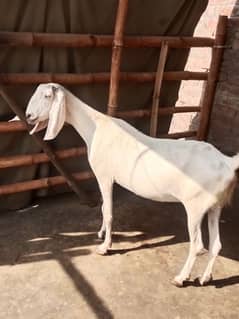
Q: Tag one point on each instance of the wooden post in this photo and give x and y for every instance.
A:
(209, 93)
(46, 148)
(116, 56)
(157, 89)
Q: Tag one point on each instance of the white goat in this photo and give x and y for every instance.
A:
(191, 172)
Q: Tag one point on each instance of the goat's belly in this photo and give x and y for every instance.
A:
(143, 174)
(145, 188)
(166, 198)
(149, 194)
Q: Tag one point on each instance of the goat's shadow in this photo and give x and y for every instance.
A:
(60, 224)
(217, 283)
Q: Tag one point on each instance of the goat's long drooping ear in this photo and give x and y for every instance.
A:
(57, 114)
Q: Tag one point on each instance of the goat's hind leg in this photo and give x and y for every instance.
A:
(214, 243)
(199, 242)
(195, 217)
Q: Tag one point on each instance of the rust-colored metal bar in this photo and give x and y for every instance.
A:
(116, 56)
(42, 183)
(178, 109)
(81, 79)
(73, 40)
(157, 89)
(32, 159)
(54, 40)
(46, 148)
(19, 126)
(14, 126)
(179, 134)
(133, 113)
(209, 93)
(161, 111)
(173, 42)
(62, 78)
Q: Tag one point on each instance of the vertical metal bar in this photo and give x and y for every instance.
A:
(157, 89)
(209, 93)
(116, 56)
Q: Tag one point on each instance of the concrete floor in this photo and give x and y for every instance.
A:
(48, 267)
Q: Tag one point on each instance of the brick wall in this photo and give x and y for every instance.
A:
(224, 125)
(199, 60)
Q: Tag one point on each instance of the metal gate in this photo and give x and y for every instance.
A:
(117, 42)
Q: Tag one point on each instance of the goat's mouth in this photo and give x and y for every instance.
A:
(38, 125)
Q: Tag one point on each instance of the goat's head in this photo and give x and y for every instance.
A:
(47, 108)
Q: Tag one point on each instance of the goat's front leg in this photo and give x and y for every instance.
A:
(106, 191)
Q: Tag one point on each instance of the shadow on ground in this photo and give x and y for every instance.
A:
(59, 228)
(61, 224)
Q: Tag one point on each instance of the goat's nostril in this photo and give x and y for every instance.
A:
(28, 115)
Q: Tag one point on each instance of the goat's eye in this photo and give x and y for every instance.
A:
(47, 96)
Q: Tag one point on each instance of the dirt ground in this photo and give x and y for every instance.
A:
(49, 269)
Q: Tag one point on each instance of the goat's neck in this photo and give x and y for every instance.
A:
(82, 117)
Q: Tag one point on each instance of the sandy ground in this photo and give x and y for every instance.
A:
(49, 269)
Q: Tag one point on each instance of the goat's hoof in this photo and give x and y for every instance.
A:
(204, 280)
(101, 234)
(177, 282)
(101, 250)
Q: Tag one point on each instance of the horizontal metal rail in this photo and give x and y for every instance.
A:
(18, 126)
(42, 183)
(32, 159)
(74, 40)
(90, 78)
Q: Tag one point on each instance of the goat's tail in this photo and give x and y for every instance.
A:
(235, 162)
(227, 194)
